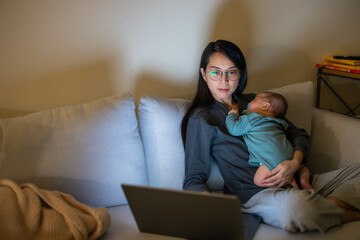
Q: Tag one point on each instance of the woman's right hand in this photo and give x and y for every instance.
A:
(233, 110)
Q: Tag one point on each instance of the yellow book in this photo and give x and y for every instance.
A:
(343, 61)
(346, 66)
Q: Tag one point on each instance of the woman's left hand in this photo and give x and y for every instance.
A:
(284, 172)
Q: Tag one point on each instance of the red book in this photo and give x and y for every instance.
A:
(337, 68)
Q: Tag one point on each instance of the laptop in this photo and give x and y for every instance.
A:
(189, 214)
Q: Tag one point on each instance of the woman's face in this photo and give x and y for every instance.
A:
(222, 89)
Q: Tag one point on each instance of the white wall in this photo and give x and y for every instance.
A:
(60, 52)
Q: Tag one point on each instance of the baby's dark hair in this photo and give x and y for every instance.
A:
(278, 104)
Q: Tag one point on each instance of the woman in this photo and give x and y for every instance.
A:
(222, 79)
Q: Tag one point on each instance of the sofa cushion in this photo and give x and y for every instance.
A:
(334, 141)
(123, 226)
(159, 125)
(85, 150)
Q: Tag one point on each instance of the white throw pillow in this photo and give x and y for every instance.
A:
(86, 150)
(159, 125)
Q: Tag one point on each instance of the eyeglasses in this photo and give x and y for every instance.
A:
(231, 75)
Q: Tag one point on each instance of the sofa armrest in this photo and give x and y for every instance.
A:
(334, 141)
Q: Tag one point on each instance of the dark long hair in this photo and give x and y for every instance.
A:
(203, 97)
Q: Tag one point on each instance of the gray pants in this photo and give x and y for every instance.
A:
(304, 210)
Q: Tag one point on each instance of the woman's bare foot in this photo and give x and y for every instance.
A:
(350, 213)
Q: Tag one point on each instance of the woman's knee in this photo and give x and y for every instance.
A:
(305, 210)
(296, 210)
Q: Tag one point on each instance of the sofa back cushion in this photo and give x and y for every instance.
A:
(334, 141)
(159, 125)
(86, 150)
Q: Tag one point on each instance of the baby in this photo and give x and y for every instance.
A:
(263, 129)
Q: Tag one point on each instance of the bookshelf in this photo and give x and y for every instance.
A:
(322, 72)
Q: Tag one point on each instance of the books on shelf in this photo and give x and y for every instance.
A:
(354, 62)
(350, 65)
(337, 68)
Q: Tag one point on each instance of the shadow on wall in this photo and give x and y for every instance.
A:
(269, 66)
(231, 12)
(277, 66)
(79, 84)
(9, 113)
(232, 23)
(154, 83)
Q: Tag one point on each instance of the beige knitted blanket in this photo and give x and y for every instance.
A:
(27, 212)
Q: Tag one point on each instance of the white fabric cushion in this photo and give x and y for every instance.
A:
(334, 141)
(159, 124)
(86, 150)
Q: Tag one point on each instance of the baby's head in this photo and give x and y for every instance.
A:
(269, 103)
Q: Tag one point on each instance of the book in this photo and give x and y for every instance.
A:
(357, 58)
(344, 66)
(336, 68)
(343, 61)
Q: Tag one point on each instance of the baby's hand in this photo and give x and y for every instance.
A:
(233, 110)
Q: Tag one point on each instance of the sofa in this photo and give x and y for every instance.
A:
(89, 150)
